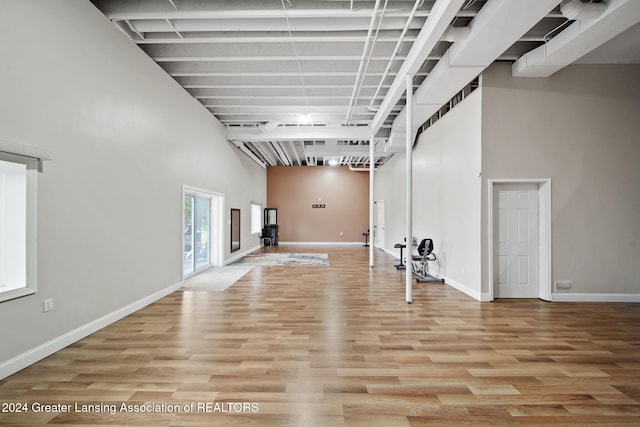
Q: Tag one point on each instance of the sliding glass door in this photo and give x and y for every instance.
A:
(202, 229)
(197, 233)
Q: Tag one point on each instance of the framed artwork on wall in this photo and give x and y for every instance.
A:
(235, 229)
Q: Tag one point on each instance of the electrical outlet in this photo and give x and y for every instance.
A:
(48, 304)
(564, 285)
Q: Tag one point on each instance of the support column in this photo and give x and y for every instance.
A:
(409, 189)
(372, 164)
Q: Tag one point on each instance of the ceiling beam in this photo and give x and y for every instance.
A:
(257, 58)
(269, 50)
(274, 86)
(231, 9)
(152, 9)
(442, 14)
(578, 39)
(251, 119)
(341, 151)
(267, 37)
(295, 133)
(318, 24)
(498, 25)
(273, 74)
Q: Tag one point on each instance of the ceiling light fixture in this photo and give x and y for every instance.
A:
(304, 119)
(333, 162)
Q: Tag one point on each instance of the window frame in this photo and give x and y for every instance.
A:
(255, 215)
(33, 166)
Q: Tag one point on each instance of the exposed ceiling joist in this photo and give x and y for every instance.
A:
(294, 133)
(579, 38)
(342, 151)
(498, 25)
(278, 74)
(442, 14)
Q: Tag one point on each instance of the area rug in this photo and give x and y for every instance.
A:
(285, 259)
(216, 279)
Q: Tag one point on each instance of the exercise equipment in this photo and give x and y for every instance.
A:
(419, 263)
(401, 246)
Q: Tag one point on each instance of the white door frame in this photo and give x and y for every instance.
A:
(216, 226)
(376, 234)
(544, 232)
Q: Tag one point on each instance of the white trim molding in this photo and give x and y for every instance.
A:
(476, 295)
(544, 206)
(593, 297)
(323, 243)
(38, 353)
(216, 226)
(240, 255)
(24, 150)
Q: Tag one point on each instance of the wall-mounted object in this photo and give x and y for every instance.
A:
(270, 216)
(235, 229)
(270, 229)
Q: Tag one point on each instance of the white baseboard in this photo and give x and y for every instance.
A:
(240, 255)
(593, 297)
(322, 243)
(485, 297)
(30, 357)
(477, 295)
(394, 253)
(456, 285)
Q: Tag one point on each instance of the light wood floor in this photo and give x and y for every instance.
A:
(334, 346)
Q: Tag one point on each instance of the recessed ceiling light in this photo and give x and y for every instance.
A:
(304, 119)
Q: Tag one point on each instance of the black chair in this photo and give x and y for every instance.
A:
(419, 263)
(266, 236)
(366, 238)
(401, 246)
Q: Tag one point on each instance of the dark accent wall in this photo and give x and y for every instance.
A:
(344, 194)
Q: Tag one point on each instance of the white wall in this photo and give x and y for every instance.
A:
(580, 128)
(446, 188)
(446, 194)
(124, 138)
(390, 187)
(13, 225)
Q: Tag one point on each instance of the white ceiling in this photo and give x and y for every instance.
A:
(302, 82)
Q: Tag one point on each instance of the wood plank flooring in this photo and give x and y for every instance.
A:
(338, 346)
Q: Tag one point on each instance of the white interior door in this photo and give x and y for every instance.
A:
(379, 224)
(516, 240)
(217, 233)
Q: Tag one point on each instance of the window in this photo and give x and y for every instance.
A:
(18, 196)
(202, 229)
(256, 218)
(197, 236)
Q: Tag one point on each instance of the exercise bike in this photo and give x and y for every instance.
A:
(419, 263)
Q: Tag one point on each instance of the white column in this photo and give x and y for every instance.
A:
(372, 163)
(408, 197)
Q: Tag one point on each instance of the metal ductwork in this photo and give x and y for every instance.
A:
(498, 25)
(591, 29)
(576, 10)
(396, 141)
(268, 126)
(456, 34)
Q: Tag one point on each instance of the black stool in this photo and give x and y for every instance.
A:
(366, 238)
(400, 265)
